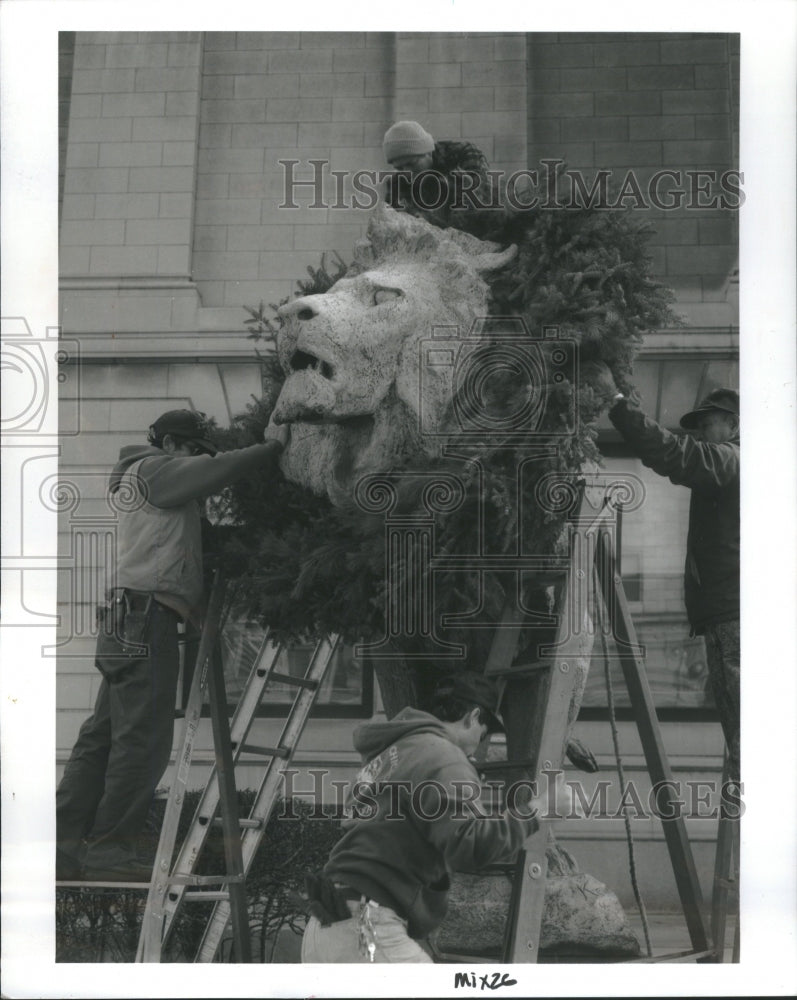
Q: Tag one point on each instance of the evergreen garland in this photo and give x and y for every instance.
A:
(305, 567)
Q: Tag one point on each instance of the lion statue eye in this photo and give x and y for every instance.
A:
(386, 295)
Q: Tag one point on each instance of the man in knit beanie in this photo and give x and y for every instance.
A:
(436, 180)
(408, 146)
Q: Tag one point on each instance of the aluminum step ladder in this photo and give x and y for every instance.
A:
(171, 886)
(591, 574)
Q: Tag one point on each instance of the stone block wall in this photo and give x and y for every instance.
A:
(646, 103)
(171, 223)
(130, 157)
(272, 96)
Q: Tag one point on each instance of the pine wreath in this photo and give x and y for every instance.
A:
(306, 567)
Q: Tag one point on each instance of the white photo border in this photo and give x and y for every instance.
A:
(28, 36)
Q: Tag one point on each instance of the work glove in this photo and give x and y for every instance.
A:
(276, 432)
(581, 756)
(596, 374)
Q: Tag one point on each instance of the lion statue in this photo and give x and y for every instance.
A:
(372, 384)
(362, 393)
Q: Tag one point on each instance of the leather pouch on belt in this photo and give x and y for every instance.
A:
(124, 621)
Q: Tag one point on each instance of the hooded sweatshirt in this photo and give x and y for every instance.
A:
(156, 495)
(413, 820)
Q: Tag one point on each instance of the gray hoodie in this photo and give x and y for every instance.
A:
(159, 547)
(412, 825)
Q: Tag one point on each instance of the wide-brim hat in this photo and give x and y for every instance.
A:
(191, 425)
(471, 687)
(725, 400)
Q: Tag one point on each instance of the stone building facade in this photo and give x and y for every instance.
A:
(177, 149)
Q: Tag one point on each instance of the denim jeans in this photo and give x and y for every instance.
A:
(723, 659)
(340, 942)
(123, 748)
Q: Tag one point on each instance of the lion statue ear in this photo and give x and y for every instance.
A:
(492, 261)
(483, 255)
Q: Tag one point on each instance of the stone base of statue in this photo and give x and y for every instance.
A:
(582, 918)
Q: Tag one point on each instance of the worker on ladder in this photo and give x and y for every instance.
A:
(414, 818)
(123, 748)
(706, 460)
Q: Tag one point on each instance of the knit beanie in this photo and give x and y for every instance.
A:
(406, 139)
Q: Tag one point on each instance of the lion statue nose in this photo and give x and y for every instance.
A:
(302, 309)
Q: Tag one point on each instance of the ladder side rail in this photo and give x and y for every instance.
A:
(150, 940)
(723, 871)
(225, 781)
(644, 710)
(269, 787)
(197, 834)
(522, 936)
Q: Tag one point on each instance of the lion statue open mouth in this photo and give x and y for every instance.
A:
(360, 394)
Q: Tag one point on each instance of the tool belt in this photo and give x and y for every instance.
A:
(125, 617)
(135, 601)
(328, 903)
(327, 900)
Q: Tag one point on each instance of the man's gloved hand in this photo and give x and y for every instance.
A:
(631, 395)
(597, 375)
(276, 432)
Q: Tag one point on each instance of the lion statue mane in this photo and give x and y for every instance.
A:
(361, 393)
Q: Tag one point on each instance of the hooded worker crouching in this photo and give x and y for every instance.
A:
(413, 820)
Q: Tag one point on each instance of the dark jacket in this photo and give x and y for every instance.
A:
(449, 158)
(711, 471)
(415, 827)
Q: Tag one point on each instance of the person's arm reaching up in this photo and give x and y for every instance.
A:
(171, 482)
(684, 460)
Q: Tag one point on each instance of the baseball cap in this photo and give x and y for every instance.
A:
(189, 424)
(720, 399)
(472, 687)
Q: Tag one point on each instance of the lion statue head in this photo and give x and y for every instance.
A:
(365, 389)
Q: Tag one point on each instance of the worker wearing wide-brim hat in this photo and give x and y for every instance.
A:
(706, 460)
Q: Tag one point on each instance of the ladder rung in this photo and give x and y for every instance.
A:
(675, 956)
(185, 879)
(62, 884)
(503, 765)
(304, 682)
(200, 896)
(283, 752)
(500, 868)
(245, 824)
(521, 668)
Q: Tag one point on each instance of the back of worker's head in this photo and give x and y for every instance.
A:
(183, 426)
(458, 694)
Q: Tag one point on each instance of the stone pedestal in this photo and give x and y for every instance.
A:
(581, 918)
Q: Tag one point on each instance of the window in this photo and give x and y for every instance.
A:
(347, 690)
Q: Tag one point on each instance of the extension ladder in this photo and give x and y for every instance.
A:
(591, 575)
(173, 885)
